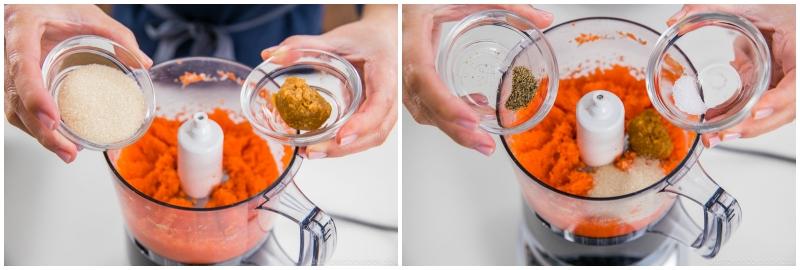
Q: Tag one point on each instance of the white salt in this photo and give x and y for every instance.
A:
(610, 181)
(687, 96)
(101, 104)
(718, 82)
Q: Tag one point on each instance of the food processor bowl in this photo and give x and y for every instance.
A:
(581, 46)
(230, 234)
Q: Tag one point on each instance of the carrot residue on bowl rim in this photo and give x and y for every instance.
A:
(632, 36)
(189, 78)
(587, 37)
(550, 151)
(150, 164)
(584, 38)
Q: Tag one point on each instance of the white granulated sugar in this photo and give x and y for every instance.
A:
(610, 181)
(687, 96)
(101, 104)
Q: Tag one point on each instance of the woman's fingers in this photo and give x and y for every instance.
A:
(753, 13)
(450, 113)
(774, 109)
(47, 137)
(472, 137)
(540, 18)
(23, 57)
(105, 26)
(282, 52)
(414, 106)
(440, 102)
(380, 100)
(370, 139)
(374, 120)
(424, 94)
(688, 10)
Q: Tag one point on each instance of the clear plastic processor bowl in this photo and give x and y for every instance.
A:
(238, 233)
(605, 221)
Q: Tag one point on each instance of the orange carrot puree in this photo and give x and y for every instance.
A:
(150, 164)
(550, 150)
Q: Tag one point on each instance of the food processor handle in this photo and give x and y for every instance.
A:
(721, 213)
(317, 230)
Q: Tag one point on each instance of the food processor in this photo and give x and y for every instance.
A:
(227, 235)
(241, 233)
(656, 225)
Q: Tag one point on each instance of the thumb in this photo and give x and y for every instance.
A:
(109, 28)
(542, 19)
(739, 10)
(680, 15)
(296, 42)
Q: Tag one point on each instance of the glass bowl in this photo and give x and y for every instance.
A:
(333, 77)
(477, 59)
(729, 80)
(89, 49)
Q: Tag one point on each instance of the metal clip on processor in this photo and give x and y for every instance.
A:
(601, 128)
(199, 155)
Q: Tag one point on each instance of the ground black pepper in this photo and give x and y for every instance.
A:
(523, 88)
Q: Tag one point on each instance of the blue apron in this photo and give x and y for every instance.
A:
(236, 32)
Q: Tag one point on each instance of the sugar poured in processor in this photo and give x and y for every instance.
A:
(101, 104)
(550, 150)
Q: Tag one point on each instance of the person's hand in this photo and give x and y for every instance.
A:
(370, 44)
(426, 96)
(31, 31)
(777, 106)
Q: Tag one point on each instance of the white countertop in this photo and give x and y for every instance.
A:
(67, 214)
(461, 208)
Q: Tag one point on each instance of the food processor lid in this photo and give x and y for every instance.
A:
(502, 66)
(333, 77)
(723, 91)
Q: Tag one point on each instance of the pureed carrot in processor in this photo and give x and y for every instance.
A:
(149, 164)
(550, 151)
(201, 237)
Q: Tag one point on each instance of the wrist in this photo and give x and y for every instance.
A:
(380, 13)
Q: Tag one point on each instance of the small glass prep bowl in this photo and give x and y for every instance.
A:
(740, 61)
(88, 49)
(477, 59)
(335, 79)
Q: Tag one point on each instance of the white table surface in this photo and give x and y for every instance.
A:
(59, 214)
(461, 208)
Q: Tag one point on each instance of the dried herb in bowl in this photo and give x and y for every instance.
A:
(523, 88)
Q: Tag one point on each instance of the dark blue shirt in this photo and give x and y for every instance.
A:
(299, 20)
